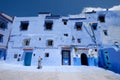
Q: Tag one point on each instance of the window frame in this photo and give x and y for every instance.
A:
(78, 26)
(101, 18)
(24, 25)
(94, 26)
(50, 43)
(47, 55)
(48, 25)
(25, 43)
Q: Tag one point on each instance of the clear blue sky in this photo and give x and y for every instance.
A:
(61, 7)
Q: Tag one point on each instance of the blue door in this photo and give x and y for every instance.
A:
(84, 60)
(66, 57)
(3, 54)
(27, 59)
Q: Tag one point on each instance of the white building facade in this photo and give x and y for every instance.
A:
(58, 40)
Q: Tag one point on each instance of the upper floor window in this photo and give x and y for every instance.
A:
(66, 34)
(78, 25)
(65, 21)
(48, 25)
(26, 42)
(24, 25)
(50, 43)
(2, 25)
(94, 26)
(79, 40)
(1, 38)
(105, 32)
(101, 18)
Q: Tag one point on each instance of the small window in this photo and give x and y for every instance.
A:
(95, 50)
(26, 42)
(48, 25)
(2, 25)
(46, 54)
(64, 21)
(15, 56)
(105, 32)
(94, 26)
(19, 55)
(1, 38)
(101, 18)
(24, 25)
(78, 25)
(79, 40)
(34, 54)
(50, 43)
(39, 39)
(66, 35)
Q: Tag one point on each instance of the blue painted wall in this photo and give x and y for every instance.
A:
(91, 61)
(114, 59)
(77, 61)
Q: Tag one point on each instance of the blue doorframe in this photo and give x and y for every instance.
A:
(28, 58)
(66, 58)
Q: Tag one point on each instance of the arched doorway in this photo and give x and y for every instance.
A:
(84, 60)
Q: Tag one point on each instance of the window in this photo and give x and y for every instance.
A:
(15, 56)
(39, 39)
(105, 32)
(66, 35)
(1, 38)
(94, 26)
(101, 18)
(78, 25)
(95, 50)
(2, 25)
(73, 39)
(64, 21)
(48, 25)
(46, 54)
(26, 42)
(50, 43)
(79, 40)
(24, 25)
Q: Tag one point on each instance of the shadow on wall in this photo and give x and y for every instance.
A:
(109, 59)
